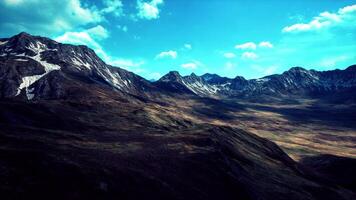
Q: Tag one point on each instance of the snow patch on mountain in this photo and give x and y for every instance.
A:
(21, 60)
(200, 88)
(3, 42)
(262, 80)
(79, 62)
(27, 81)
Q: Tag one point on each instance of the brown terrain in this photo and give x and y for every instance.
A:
(93, 131)
(302, 127)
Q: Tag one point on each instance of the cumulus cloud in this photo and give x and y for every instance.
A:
(50, 18)
(229, 55)
(248, 45)
(249, 55)
(148, 10)
(46, 17)
(265, 44)
(343, 17)
(114, 7)
(191, 65)
(170, 53)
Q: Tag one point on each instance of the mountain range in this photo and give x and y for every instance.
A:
(44, 69)
(74, 127)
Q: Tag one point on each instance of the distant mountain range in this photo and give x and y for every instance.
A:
(297, 80)
(35, 67)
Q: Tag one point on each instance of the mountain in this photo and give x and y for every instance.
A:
(74, 127)
(34, 67)
(296, 81)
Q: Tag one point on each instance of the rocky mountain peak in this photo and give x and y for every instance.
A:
(208, 76)
(172, 76)
(351, 68)
(297, 70)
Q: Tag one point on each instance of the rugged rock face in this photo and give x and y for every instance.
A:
(296, 81)
(30, 64)
(27, 60)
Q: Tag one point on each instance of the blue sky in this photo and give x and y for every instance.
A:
(226, 37)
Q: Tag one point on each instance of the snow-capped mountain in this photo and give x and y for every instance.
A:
(297, 80)
(34, 66)
(194, 84)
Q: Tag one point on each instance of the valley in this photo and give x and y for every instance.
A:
(89, 130)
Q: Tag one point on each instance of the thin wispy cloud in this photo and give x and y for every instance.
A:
(167, 54)
(191, 65)
(229, 55)
(265, 44)
(188, 46)
(248, 45)
(249, 56)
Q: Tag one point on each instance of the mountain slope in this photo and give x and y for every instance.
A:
(26, 59)
(73, 127)
(110, 150)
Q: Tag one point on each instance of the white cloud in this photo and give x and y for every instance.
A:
(248, 45)
(265, 44)
(89, 37)
(188, 46)
(347, 9)
(98, 32)
(46, 17)
(191, 65)
(128, 64)
(49, 18)
(249, 55)
(229, 55)
(85, 37)
(148, 10)
(343, 17)
(113, 6)
(170, 53)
